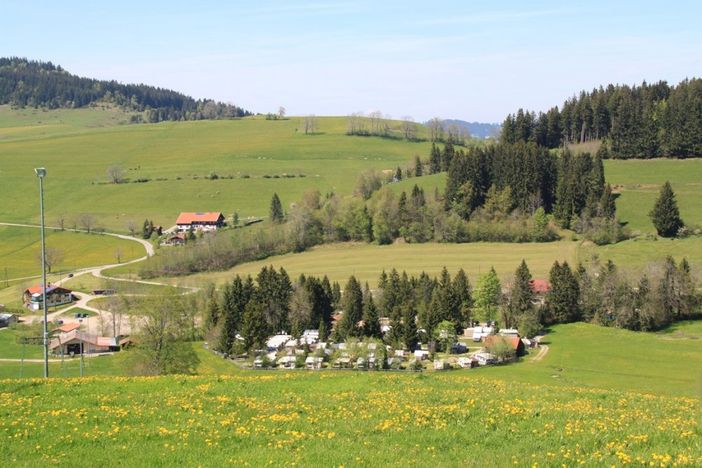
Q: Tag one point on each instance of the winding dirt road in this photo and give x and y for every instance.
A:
(92, 323)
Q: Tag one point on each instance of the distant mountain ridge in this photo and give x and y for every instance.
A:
(476, 129)
(33, 83)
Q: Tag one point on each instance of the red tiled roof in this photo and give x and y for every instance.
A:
(540, 286)
(207, 217)
(67, 327)
(49, 288)
(513, 341)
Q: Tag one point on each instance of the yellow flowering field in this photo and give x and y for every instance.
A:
(340, 418)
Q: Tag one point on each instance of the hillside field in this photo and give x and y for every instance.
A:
(569, 408)
(262, 156)
(20, 249)
(77, 147)
(639, 182)
(366, 261)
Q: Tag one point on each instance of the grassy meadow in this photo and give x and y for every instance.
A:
(20, 248)
(340, 419)
(366, 261)
(639, 183)
(31, 123)
(599, 396)
(258, 153)
(581, 355)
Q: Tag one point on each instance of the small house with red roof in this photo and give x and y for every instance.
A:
(77, 342)
(66, 328)
(176, 239)
(540, 287)
(514, 342)
(200, 221)
(55, 296)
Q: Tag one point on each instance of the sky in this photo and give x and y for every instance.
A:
(469, 60)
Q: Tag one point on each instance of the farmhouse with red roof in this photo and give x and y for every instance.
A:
(55, 296)
(200, 221)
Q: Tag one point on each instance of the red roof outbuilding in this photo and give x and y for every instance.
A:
(209, 217)
(540, 286)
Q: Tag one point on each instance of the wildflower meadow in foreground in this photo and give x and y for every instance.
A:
(337, 418)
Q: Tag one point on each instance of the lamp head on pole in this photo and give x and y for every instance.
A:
(40, 172)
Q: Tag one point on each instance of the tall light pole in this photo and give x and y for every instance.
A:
(41, 173)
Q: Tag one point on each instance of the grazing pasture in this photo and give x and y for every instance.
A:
(341, 418)
(228, 166)
(20, 249)
(639, 182)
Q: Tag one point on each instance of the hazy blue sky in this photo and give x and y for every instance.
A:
(454, 59)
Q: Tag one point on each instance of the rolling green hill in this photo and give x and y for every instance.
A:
(20, 248)
(262, 156)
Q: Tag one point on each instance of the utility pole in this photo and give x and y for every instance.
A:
(41, 173)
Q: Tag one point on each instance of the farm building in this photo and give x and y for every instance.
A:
(67, 343)
(200, 221)
(176, 239)
(514, 342)
(7, 319)
(65, 328)
(540, 287)
(55, 296)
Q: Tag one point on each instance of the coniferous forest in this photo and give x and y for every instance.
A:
(42, 84)
(646, 121)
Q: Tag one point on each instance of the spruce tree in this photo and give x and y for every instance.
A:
(213, 312)
(607, 205)
(665, 214)
(447, 156)
(323, 331)
(434, 159)
(276, 211)
(563, 300)
(409, 327)
(371, 321)
(353, 309)
(521, 296)
(398, 174)
(444, 305)
(145, 233)
(336, 295)
(418, 170)
(236, 296)
(462, 293)
(253, 326)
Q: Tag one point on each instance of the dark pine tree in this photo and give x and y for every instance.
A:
(253, 327)
(353, 309)
(276, 211)
(607, 205)
(434, 159)
(371, 320)
(521, 297)
(409, 327)
(563, 300)
(462, 292)
(665, 214)
(418, 169)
